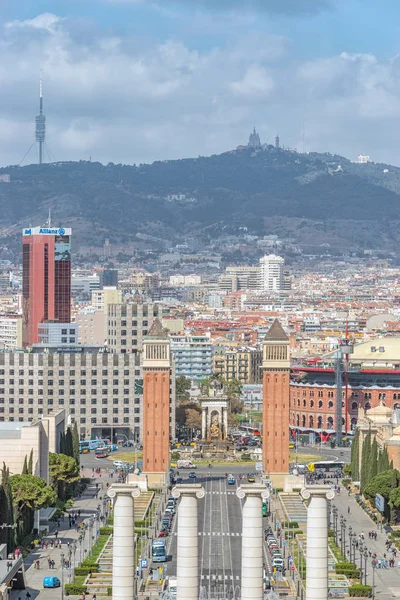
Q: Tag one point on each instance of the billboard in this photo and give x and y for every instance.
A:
(380, 502)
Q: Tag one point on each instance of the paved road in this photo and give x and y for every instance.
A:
(220, 533)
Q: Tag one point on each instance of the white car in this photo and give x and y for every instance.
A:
(118, 464)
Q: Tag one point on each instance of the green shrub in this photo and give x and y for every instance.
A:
(350, 573)
(89, 563)
(297, 490)
(278, 490)
(245, 456)
(109, 591)
(331, 533)
(293, 532)
(346, 482)
(395, 534)
(290, 524)
(345, 565)
(86, 570)
(85, 480)
(106, 530)
(71, 589)
(359, 590)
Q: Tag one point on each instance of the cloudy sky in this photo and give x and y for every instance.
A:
(141, 80)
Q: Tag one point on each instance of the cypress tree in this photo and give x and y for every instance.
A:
(25, 467)
(9, 515)
(69, 446)
(30, 463)
(373, 462)
(62, 443)
(383, 464)
(75, 443)
(365, 457)
(355, 458)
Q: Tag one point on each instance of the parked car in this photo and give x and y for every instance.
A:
(51, 582)
(192, 475)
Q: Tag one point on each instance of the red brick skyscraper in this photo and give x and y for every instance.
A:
(276, 374)
(156, 400)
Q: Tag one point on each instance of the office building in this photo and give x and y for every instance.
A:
(83, 285)
(105, 296)
(46, 278)
(53, 333)
(193, 356)
(92, 326)
(128, 324)
(271, 273)
(100, 391)
(11, 331)
(247, 277)
(109, 278)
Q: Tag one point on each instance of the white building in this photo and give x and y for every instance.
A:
(92, 326)
(363, 159)
(11, 331)
(102, 298)
(271, 273)
(84, 284)
(193, 355)
(185, 280)
(57, 334)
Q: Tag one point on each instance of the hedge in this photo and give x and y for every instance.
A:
(71, 589)
(331, 533)
(290, 524)
(86, 570)
(343, 564)
(106, 530)
(360, 591)
(293, 532)
(350, 573)
(297, 490)
(395, 534)
(109, 591)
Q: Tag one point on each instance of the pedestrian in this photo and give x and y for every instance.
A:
(348, 510)
(94, 597)
(27, 596)
(83, 596)
(56, 533)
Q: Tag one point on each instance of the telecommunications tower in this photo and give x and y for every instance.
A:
(40, 124)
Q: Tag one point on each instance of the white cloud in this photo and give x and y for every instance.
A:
(129, 99)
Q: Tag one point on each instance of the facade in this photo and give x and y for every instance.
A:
(109, 278)
(11, 331)
(83, 285)
(92, 326)
(247, 277)
(129, 324)
(276, 390)
(46, 278)
(193, 356)
(243, 364)
(157, 410)
(18, 440)
(105, 296)
(373, 377)
(101, 392)
(58, 334)
(271, 273)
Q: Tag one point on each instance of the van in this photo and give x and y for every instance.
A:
(172, 586)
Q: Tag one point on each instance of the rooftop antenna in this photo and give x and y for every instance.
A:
(49, 219)
(40, 122)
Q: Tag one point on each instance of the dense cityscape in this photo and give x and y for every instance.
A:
(199, 316)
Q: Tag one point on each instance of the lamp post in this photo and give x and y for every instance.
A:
(335, 518)
(344, 536)
(62, 575)
(354, 543)
(361, 550)
(365, 566)
(80, 540)
(350, 544)
(74, 545)
(373, 562)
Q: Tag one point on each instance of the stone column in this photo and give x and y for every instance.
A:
(124, 568)
(208, 422)
(225, 423)
(317, 541)
(252, 541)
(188, 568)
(204, 423)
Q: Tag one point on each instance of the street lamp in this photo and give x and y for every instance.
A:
(74, 545)
(373, 562)
(335, 518)
(80, 540)
(62, 575)
(365, 566)
(361, 550)
(354, 544)
(350, 537)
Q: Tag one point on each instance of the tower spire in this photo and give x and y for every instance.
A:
(40, 122)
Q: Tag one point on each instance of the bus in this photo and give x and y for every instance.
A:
(249, 430)
(159, 550)
(93, 444)
(323, 466)
(264, 509)
(102, 451)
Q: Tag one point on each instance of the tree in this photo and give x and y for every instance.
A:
(355, 459)
(30, 463)
(193, 418)
(64, 471)
(236, 405)
(62, 443)
(382, 484)
(69, 445)
(25, 466)
(383, 461)
(75, 443)
(29, 491)
(182, 387)
(373, 461)
(8, 507)
(365, 457)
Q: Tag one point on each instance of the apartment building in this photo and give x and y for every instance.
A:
(100, 391)
(243, 364)
(92, 326)
(193, 356)
(128, 324)
(11, 331)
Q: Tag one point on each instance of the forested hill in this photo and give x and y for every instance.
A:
(308, 198)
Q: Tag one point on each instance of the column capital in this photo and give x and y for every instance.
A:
(250, 489)
(123, 489)
(188, 490)
(321, 491)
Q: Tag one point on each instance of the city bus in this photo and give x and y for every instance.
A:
(102, 452)
(93, 444)
(323, 466)
(159, 550)
(264, 509)
(249, 430)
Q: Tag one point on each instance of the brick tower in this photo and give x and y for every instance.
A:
(276, 373)
(156, 402)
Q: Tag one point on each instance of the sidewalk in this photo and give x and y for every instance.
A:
(87, 504)
(387, 581)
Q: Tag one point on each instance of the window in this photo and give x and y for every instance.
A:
(320, 404)
(126, 411)
(64, 331)
(115, 411)
(63, 340)
(330, 404)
